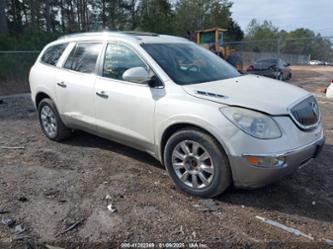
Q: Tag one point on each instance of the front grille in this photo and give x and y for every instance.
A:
(306, 114)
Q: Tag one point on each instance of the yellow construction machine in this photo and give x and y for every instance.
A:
(212, 39)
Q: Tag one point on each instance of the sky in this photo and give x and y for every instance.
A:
(316, 15)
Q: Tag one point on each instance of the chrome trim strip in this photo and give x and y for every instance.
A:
(289, 152)
(303, 127)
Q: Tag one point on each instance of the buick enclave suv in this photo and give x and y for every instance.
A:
(207, 124)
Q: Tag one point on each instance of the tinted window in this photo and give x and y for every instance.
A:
(187, 63)
(119, 58)
(53, 53)
(83, 57)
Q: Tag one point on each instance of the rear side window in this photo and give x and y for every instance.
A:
(83, 57)
(53, 53)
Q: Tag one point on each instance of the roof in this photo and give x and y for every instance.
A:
(212, 29)
(139, 37)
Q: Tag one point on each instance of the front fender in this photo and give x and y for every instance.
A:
(191, 120)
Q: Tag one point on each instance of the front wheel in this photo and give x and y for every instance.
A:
(280, 76)
(196, 163)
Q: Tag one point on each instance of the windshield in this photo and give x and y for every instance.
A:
(187, 63)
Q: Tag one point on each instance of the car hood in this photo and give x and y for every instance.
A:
(250, 91)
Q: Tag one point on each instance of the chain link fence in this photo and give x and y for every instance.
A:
(14, 70)
(314, 51)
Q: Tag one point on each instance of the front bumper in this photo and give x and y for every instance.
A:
(246, 175)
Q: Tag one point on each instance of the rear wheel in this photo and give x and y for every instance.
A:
(196, 163)
(50, 121)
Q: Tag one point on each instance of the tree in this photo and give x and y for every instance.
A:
(47, 15)
(234, 33)
(156, 16)
(265, 37)
(133, 14)
(33, 16)
(305, 41)
(14, 16)
(262, 37)
(192, 15)
(116, 15)
(111, 14)
(261, 31)
(39, 19)
(3, 18)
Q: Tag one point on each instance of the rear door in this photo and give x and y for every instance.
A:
(75, 86)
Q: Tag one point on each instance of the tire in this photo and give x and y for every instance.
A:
(280, 76)
(50, 121)
(197, 142)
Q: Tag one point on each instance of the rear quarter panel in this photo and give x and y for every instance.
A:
(41, 80)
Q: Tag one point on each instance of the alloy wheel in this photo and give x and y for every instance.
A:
(193, 164)
(49, 121)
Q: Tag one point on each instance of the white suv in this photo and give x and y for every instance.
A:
(209, 125)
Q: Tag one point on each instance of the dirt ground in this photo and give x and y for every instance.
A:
(312, 78)
(46, 187)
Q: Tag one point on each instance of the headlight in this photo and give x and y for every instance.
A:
(253, 123)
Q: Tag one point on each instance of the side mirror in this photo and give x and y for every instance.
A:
(155, 82)
(136, 74)
(287, 65)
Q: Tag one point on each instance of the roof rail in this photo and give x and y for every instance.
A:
(86, 34)
(139, 33)
(115, 33)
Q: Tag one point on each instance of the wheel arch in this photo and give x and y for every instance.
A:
(171, 129)
(40, 96)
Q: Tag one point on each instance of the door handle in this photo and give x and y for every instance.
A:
(62, 84)
(102, 94)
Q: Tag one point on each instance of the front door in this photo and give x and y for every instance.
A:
(124, 110)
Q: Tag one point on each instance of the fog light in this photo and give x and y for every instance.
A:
(266, 161)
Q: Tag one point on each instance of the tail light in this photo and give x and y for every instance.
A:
(332, 82)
